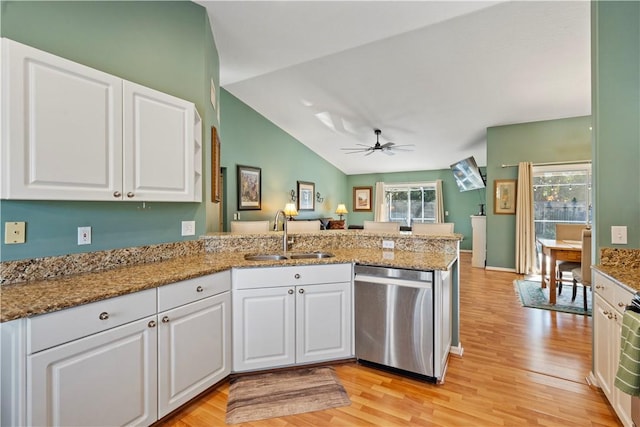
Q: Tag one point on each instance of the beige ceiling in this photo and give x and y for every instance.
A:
(434, 74)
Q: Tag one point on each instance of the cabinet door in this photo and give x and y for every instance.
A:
(105, 379)
(442, 325)
(603, 336)
(62, 136)
(264, 328)
(194, 350)
(159, 146)
(621, 401)
(323, 322)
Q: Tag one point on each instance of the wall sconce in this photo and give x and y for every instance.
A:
(341, 210)
(292, 195)
(319, 197)
(290, 210)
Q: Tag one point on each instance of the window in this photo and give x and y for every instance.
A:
(407, 203)
(561, 194)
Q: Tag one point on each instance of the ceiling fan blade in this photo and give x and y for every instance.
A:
(389, 153)
(369, 153)
(387, 145)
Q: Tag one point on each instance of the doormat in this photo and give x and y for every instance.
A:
(532, 295)
(277, 394)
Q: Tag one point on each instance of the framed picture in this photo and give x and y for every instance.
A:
(249, 188)
(504, 191)
(362, 199)
(215, 165)
(306, 196)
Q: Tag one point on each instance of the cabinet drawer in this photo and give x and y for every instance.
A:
(191, 290)
(249, 278)
(49, 330)
(622, 298)
(604, 287)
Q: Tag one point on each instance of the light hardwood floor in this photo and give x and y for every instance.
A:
(521, 366)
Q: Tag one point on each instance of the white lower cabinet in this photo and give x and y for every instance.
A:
(128, 360)
(104, 379)
(609, 301)
(287, 315)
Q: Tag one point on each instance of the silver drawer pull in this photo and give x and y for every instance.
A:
(290, 291)
(165, 319)
(117, 194)
(301, 291)
(130, 194)
(297, 276)
(152, 323)
(621, 304)
(104, 315)
(199, 289)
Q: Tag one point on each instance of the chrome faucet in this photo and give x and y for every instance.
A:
(285, 242)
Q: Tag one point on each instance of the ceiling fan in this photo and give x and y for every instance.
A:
(389, 148)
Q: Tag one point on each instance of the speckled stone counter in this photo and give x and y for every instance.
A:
(621, 265)
(46, 293)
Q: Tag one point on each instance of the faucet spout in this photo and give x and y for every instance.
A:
(284, 229)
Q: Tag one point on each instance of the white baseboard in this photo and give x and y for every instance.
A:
(466, 250)
(510, 270)
(457, 350)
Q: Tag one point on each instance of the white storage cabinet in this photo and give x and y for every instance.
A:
(610, 299)
(71, 132)
(291, 315)
(127, 360)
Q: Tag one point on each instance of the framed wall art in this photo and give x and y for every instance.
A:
(504, 191)
(215, 165)
(249, 188)
(306, 196)
(362, 199)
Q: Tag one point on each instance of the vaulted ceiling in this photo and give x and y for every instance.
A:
(434, 74)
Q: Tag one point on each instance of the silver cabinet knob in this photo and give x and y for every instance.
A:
(297, 276)
(117, 194)
(104, 315)
(165, 319)
(152, 323)
(199, 289)
(301, 291)
(290, 291)
(130, 194)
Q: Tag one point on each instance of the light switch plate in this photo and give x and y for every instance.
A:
(618, 234)
(14, 232)
(188, 228)
(84, 235)
(388, 244)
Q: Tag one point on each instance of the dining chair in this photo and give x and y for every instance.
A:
(248, 227)
(381, 227)
(582, 274)
(303, 226)
(567, 232)
(431, 229)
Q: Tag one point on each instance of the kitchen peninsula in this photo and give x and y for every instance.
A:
(171, 284)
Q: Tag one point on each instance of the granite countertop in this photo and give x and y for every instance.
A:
(628, 276)
(621, 265)
(45, 296)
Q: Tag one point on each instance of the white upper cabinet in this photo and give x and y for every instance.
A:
(70, 132)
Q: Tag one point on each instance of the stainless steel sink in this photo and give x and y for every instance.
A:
(265, 257)
(311, 255)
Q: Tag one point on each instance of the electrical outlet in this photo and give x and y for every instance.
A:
(236, 216)
(388, 244)
(618, 235)
(14, 232)
(84, 235)
(188, 228)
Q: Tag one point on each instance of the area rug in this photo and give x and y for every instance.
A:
(262, 396)
(532, 295)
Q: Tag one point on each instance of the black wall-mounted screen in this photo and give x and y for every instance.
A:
(467, 174)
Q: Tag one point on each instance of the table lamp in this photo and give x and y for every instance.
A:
(341, 210)
(290, 210)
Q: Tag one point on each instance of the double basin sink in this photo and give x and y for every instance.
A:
(282, 257)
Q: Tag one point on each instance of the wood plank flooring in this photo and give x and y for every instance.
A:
(520, 367)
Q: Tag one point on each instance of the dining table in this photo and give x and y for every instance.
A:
(557, 250)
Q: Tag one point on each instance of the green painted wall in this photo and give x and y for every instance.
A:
(460, 206)
(615, 29)
(247, 138)
(166, 45)
(538, 142)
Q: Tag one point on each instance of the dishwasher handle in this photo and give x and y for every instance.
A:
(361, 278)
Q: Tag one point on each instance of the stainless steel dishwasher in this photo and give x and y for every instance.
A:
(395, 320)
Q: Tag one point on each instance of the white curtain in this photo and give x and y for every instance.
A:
(439, 201)
(525, 228)
(380, 208)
